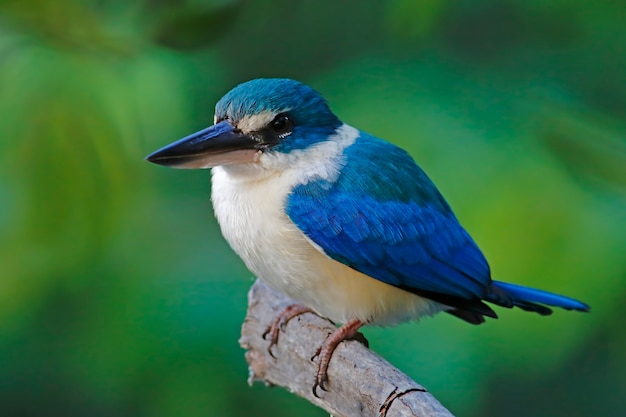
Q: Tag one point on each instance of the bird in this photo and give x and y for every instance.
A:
(344, 223)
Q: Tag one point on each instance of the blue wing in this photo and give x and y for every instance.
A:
(386, 219)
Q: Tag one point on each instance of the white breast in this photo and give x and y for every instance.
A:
(249, 203)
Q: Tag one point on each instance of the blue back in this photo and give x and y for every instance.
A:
(385, 218)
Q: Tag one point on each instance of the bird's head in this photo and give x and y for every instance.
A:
(274, 115)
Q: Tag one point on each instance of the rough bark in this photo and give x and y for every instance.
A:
(361, 383)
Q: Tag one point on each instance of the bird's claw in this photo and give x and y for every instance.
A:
(325, 352)
(321, 374)
(272, 331)
(275, 327)
(320, 382)
(317, 353)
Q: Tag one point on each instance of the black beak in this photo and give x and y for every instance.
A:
(220, 144)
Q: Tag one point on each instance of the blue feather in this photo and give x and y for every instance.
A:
(524, 296)
(405, 235)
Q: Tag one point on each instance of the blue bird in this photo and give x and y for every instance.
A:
(344, 223)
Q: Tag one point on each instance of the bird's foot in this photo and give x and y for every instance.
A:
(349, 331)
(279, 323)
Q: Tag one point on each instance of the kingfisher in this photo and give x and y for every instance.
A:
(344, 223)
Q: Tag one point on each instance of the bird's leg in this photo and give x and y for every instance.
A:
(350, 330)
(281, 320)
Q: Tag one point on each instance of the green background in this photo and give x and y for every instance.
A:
(118, 295)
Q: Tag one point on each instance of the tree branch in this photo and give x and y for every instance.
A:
(361, 383)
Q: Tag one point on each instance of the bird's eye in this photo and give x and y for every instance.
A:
(281, 123)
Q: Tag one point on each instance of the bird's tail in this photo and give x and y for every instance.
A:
(531, 299)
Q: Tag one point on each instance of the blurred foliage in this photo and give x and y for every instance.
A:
(118, 295)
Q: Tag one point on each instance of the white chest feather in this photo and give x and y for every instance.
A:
(249, 204)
